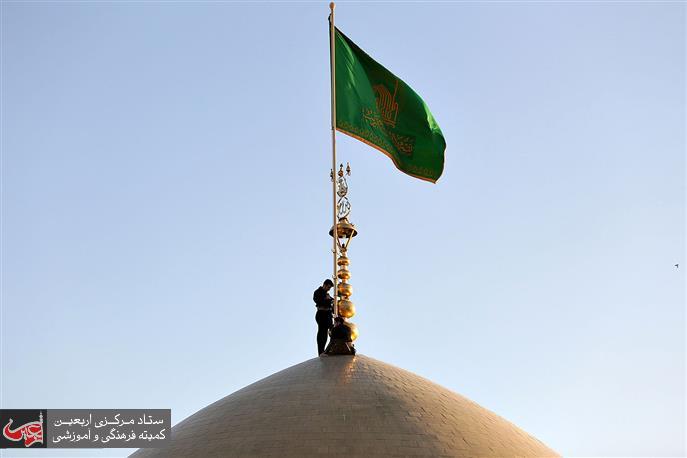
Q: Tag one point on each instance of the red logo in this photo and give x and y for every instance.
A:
(30, 432)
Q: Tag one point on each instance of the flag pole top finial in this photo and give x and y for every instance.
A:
(331, 6)
(341, 169)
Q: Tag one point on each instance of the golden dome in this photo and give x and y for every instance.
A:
(352, 405)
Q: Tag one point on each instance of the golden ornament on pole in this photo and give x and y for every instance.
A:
(345, 231)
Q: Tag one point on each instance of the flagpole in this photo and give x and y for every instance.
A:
(332, 69)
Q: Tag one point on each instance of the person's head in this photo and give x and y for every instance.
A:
(339, 320)
(328, 284)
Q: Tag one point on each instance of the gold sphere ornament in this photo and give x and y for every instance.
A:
(353, 328)
(346, 308)
(344, 274)
(343, 261)
(345, 290)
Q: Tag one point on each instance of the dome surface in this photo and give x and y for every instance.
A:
(346, 405)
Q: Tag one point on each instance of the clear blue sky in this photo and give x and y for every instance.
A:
(166, 202)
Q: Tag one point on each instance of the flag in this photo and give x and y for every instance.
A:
(377, 108)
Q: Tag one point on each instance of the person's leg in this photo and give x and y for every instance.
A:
(329, 324)
(321, 339)
(321, 332)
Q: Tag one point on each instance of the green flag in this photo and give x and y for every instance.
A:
(377, 108)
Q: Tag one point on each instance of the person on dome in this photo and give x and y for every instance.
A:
(340, 342)
(325, 307)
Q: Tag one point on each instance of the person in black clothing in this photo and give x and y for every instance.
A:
(340, 342)
(325, 308)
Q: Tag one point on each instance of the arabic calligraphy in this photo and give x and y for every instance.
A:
(382, 119)
(84, 428)
(386, 103)
(31, 432)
